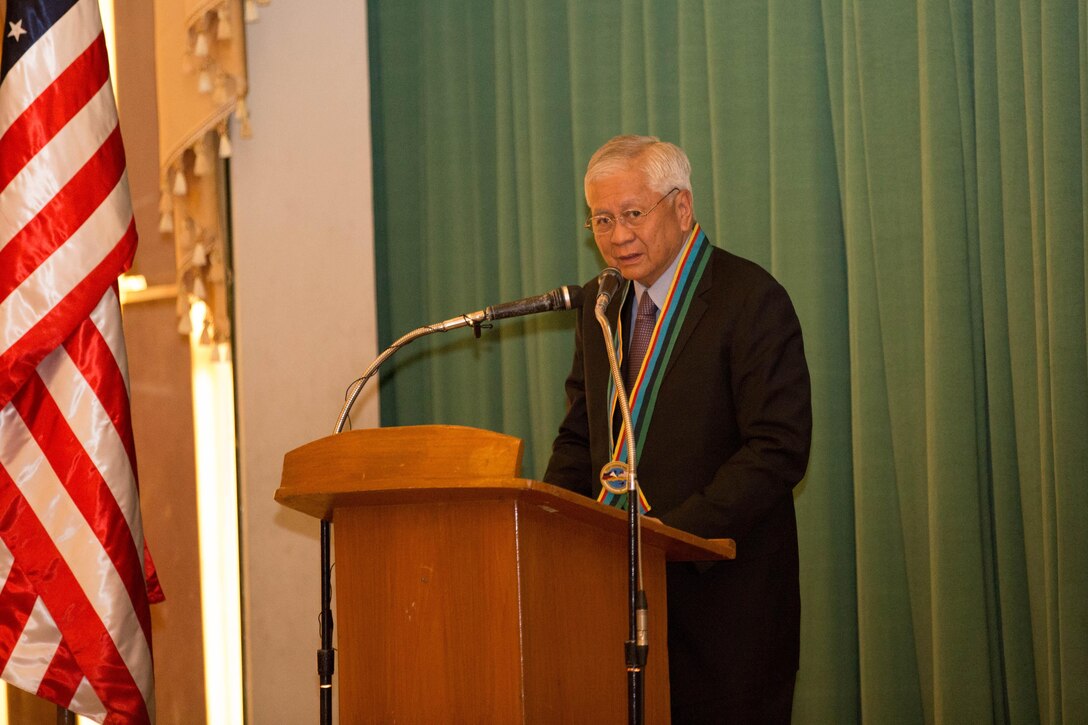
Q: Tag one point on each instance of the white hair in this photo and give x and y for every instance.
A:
(666, 165)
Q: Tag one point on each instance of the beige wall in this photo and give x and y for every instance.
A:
(304, 325)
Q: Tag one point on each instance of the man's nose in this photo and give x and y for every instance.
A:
(622, 233)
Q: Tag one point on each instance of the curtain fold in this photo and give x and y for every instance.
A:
(914, 173)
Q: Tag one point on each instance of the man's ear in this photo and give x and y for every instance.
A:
(685, 211)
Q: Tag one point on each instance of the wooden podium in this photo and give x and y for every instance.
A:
(467, 594)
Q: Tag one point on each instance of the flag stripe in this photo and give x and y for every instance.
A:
(106, 369)
(38, 642)
(86, 702)
(7, 565)
(54, 108)
(98, 364)
(19, 361)
(40, 180)
(66, 34)
(16, 599)
(105, 515)
(92, 645)
(70, 209)
(62, 270)
(92, 429)
(104, 317)
(62, 677)
(73, 542)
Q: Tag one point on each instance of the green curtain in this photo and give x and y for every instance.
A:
(914, 173)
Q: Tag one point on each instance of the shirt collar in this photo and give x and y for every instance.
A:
(659, 290)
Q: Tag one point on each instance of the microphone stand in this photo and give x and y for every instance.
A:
(637, 646)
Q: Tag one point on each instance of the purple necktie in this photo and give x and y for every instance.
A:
(640, 336)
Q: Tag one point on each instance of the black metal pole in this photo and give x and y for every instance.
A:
(637, 648)
(326, 656)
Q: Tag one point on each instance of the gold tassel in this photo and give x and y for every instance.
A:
(201, 166)
(180, 187)
(214, 272)
(185, 327)
(223, 30)
(200, 255)
(166, 222)
(200, 50)
(252, 15)
(199, 290)
(204, 84)
(224, 142)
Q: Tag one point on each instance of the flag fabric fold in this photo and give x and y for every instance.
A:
(75, 577)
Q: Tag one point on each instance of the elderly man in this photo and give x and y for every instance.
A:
(711, 350)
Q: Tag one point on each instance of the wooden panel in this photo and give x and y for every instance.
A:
(25, 708)
(427, 604)
(160, 381)
(575, 615)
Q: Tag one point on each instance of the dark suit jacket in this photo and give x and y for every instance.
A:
(728, 441)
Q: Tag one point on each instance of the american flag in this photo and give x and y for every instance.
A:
(75, 578)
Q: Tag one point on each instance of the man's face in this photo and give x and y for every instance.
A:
(644, 252)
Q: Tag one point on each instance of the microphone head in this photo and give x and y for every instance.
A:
(608, 282)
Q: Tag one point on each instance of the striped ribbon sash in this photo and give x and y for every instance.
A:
(643, 394)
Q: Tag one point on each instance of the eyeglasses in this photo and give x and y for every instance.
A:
(604, 224)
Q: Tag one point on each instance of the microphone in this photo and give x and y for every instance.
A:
(566, 297)
(608, 283)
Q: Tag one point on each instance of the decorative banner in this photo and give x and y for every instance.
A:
(201, 80)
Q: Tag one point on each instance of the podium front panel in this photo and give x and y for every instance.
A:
(575, 614)
(490, 611)
(428, 628)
